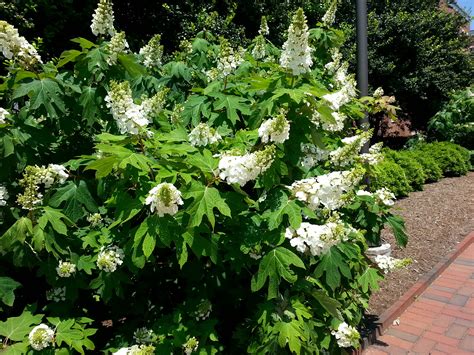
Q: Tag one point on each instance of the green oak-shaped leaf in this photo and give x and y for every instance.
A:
(274, 266)
(7, 288)
(206, 199)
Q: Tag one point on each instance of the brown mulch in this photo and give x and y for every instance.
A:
(437, 219)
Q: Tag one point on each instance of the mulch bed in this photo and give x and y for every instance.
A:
(437, 219)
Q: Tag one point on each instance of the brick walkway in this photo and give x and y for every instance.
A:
(441, 320)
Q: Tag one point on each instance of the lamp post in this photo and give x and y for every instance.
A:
(362, 61)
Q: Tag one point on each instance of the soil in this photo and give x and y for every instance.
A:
(437, 219)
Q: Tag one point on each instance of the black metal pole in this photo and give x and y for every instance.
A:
(362, 60)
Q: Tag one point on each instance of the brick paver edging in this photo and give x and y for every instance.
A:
(386, 318)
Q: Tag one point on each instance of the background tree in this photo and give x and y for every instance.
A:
(416, 50)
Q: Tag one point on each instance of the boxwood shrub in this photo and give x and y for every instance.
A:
(451, 158)
(412, 168)
(431, 169)
(392, 176)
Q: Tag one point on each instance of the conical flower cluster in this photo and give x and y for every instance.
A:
(330, 15)
(129, 116)
(117, 45)
(14, 46)
(152, 53)
(276, 129)
(3, 115)
(203, 135)
(228, 61)
(296, 54)
(346, 335)
(103, 19)
(240, 169)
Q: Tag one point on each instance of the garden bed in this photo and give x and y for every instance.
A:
(437, 219)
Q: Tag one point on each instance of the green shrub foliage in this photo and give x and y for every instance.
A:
(190, 205)
(389, 174)
(431, 169)
(455, 121)
(413, 169)
(453, 159)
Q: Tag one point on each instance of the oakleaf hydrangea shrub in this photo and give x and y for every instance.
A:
(207, 204)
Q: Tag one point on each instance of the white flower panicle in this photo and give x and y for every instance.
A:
(385, 197)
(109, 258)
(186, 46)
(14, 46)
(259, 51)
(3, 195)
(136, 350)
(228, 61)
(240, 169)
(336, 61)
(387, 263)
(143, 335)
(190, 346)
(276, 129)
(65, 269)
(312, 155)
(203, 135)
(117, 45)
(346, 336)
(129, 116)
(152, 53)
(164, 199)
(95, 219)
(374, 156)
(327, 190)
(154, 105)
(347, 154)
(264, 30)
(103, 19)
(59, 172)
(330, 15)
(296, 54)
(382, 196)
(343, 96)
(3, 115)
(378, 93)
(203, 311)
(33, 177)
(175, 117)
(41, 337)
(317, 239)
(57, 294)
(334, 126)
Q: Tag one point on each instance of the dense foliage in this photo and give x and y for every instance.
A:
(407, 170)
(210, 203)
(455, 121)
(391, 175)
(416, 52)
(412, 168)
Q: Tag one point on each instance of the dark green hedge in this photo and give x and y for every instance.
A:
(407, 170)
